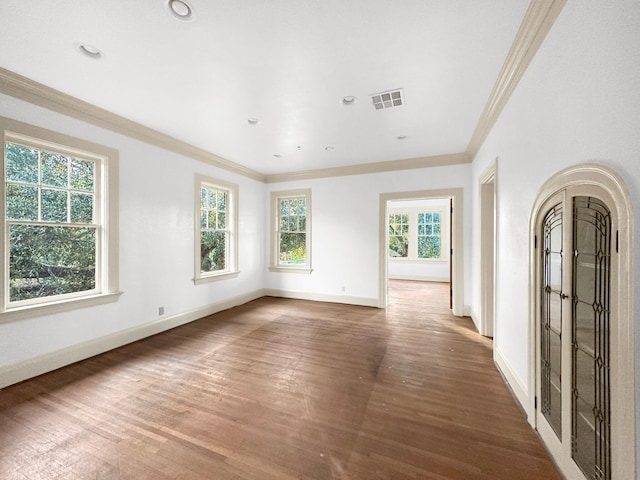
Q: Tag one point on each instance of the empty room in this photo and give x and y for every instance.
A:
(320, 240)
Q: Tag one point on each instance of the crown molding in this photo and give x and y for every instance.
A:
(537, 22)
(38, 94)
(375, 167)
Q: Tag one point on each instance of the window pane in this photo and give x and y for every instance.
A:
(222, 220)
(436, 218)
(22, 164)
(54, 205)
(303, 224)
(429, 247)
(292, 248)
(81, 208)
(22, 203)
(54, 170)
(48, 261)
(398, 246)
(213, 219)
(82, 175)
(204, 198)
(213, 251)
(222, 201)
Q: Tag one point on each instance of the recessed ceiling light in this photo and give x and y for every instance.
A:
(328, 148)
(89, 50)
(180, 9)
(277, 155)
(253, 121)
(401, 137)
(348, 100)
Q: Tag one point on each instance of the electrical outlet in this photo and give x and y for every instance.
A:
(160, 310)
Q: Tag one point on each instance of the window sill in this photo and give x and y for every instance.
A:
(215, 277)
(417, 260)
(59, 306)
(283, 269)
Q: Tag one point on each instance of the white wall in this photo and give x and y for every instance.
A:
(156, 243)
(424, 270)
(345, 230)
(578, 102)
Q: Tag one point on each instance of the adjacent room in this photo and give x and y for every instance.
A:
(320, 240)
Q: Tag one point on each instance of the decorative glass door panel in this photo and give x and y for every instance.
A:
(574, 412)
(551, 320)
(590, 389)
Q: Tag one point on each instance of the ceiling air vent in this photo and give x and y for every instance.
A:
(392, 98)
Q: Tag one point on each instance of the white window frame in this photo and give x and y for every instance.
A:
(412, 252)
(274, 264)
(232, 229)
(106, 217)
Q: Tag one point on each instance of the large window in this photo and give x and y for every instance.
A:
(415, 234)
(216, 220)
(291, 231)
(59, 245)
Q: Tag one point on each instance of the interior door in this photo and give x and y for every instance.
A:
(451, 253)
(573, 413)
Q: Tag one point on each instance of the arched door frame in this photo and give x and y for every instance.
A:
(457, 274)
(623, 438)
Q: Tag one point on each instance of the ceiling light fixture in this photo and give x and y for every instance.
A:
(348, 101)
(180, 9)
(277, 155)
(328, 148)
(401, 137)
(253, 121)
(89, 50)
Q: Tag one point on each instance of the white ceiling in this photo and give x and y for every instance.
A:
(286, 62)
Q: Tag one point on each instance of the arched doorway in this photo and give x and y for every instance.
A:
(582, 324)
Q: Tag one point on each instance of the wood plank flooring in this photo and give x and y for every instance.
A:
(281, 389)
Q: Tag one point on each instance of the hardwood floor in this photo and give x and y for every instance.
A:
(281, 389)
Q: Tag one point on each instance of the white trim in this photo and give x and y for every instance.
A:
(38, 94)
(457, 229)
(419, 278)
(518, 388)
(107, 188)
(322, 297)
(623, 408)
(232, 189)
(274, 226)
(17, 372)
(488, 256)
(376, 167)
(535, 26)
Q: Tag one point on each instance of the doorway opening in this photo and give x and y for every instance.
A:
(488, 250)
(427, 211)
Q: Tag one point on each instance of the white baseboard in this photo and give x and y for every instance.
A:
(419, 278)
(519, 390)
(17, 372)
(322, 297)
